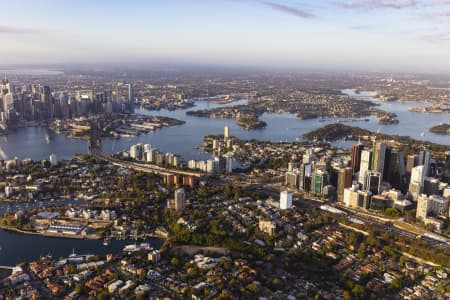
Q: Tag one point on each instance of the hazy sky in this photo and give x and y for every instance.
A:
(329, 34)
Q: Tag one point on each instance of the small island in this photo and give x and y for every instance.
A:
(442, 128)
(243, 116)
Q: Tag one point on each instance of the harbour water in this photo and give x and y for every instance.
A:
(16, 247)
(37, 142)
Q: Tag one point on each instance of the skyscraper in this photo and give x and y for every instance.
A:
(344, 181)
(378, 157)
(372, 182)
(365, 165)
(411, 162)
(425, 159)
(318, 181)
(395, 171)
(226, 132)
(130, 93)
(356, 157)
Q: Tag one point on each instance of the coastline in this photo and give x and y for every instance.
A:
(46, 234)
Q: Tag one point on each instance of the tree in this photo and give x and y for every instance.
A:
(396, 284)
(347, 295)
(359, 291)
(174, 261)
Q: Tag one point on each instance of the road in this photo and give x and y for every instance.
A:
(149, 168)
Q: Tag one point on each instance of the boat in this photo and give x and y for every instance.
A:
(106, 241)
(73, 254)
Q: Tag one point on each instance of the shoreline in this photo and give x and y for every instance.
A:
(51, 235)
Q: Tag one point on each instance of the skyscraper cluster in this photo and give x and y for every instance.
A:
(377, 177)
(40, 103)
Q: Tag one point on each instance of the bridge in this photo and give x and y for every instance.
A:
(95, 149)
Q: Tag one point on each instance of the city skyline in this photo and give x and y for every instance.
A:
(369, 35)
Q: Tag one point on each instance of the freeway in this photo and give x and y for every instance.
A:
(386, 225)
(149, 168)
(380, 223)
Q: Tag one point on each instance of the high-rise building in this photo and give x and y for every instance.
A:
(229, 163)
(285, 200)
(378, 157)
(226, 132)
(425, 160)
(372, 182)
(430, 185)
(365, 165)
(319, 179)
(417, 180)
(344, 181)
(180, 199)
(364, 198)
(395, 171)
(356, 157)
(130, 93)
(411, 162)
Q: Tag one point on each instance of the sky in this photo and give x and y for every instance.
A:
(367, 35)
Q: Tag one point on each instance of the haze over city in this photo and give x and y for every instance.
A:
(369, 35)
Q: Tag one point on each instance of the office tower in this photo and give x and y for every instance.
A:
(229, 164)
(416, 182)
(344, 181)
(380, 202)
(372, 182)
(365, 165)
(411, 162)
(430, 185)
(364, 198)
(226, 132)
(356, 157)
(130, 93)
(395, 171)
(285, 200)
(180, 199)
(319, 179)
(378, 157)
(425, 160)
